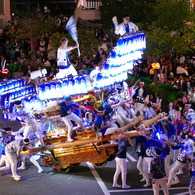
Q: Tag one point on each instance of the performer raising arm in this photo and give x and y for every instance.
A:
(63, 62)
(126, 27)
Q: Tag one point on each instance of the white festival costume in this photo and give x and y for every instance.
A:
(65, 66)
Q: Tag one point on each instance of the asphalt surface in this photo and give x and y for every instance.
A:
(82, 180)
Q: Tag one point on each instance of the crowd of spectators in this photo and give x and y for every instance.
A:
(175, 69)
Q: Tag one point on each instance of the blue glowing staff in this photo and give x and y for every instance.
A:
(158, 135)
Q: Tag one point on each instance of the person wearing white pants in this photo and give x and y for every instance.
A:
(12, 152)
(32, 160)
(63, 62)
(121, 163)
(186, 149)
(173, 179)
(68, 116)
(28, 119)
(147, 158)
(157, 173)
(18, 135)
(4, 161)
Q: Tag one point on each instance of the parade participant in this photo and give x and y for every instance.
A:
(116, 98)
(169, 134)
(140, 149)
(151, 142)
(28, 118)
(63, 62)
(102, 125)
(121, 163)
(139, 98)
(89, 116)
(111, 111)
(186, 149)
(68, 116)
(152, 107)
(126, 27)
(183, 129)
(6, 140)
(157, 173)
(12, 152)
(18, 135)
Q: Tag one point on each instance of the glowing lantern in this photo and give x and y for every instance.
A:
(155, 65)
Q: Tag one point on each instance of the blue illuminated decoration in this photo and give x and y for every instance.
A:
(129, 49)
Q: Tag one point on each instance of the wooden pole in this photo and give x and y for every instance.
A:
(96, 139)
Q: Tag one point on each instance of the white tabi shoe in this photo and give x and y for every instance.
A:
(126, 187)
(17, 178)
(70, 140)
(21, 168)
(40, 170)
(142, 180)
(116, 186)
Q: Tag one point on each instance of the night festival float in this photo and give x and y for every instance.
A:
(42, 99)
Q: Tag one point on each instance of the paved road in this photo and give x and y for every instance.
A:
(81, 180)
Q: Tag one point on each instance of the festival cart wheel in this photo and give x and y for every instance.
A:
(100, 165)
(75, 164)
(64, 170)
(111, 157)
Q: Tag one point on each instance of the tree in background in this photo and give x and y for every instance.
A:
(173, 29)
(138, 10)
(169, 25)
